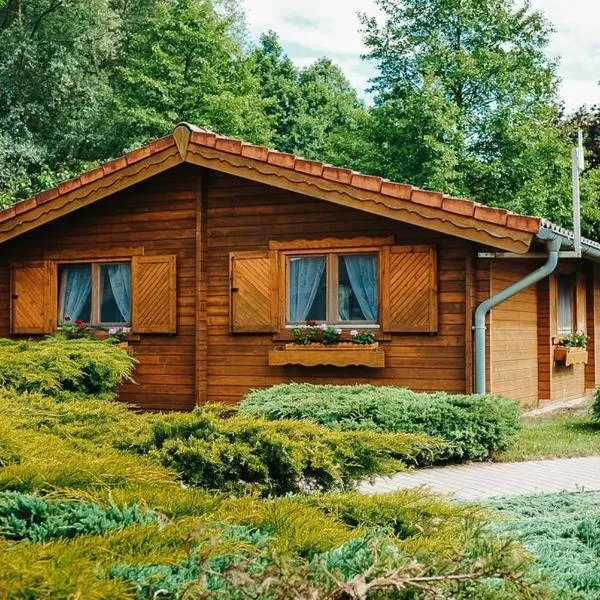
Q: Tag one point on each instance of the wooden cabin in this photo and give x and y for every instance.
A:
(213, 250)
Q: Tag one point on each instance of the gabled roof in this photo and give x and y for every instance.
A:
(494, 227)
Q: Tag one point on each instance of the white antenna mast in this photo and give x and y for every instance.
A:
(577, 168)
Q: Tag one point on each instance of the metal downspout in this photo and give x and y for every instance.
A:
(553, 246)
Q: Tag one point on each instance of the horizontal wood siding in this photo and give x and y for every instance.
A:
(513, 354)
(245, 216)
(160, 216)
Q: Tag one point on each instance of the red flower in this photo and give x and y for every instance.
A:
(80, 324)
(311, 323)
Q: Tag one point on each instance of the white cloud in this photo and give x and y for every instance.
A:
(314, 28)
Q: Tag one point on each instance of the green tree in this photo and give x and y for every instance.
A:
(182, 61)
(313, 111)
(466, 102)
(52, 80)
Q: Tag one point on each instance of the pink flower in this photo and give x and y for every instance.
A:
(323, 326)
(353, 332)
(338, 331)
(113, 330)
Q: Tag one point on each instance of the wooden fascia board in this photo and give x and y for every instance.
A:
(400, 210)
(92, 192)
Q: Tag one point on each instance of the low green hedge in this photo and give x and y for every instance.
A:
(59, 367)
(243, 453)
(474, 426)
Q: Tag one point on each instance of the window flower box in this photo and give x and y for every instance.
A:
(567, 356)
(344, 354)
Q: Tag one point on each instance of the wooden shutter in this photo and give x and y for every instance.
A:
(253, 299)
(409, 289)
(580, 321)
(154, 294)
(33, 297)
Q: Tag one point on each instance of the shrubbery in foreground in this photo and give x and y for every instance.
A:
(473, 426)
(59, 367)
(92, 505)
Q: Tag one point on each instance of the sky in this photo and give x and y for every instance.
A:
(310, 29)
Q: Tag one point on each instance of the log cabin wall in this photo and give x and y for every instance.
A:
(513, 333)
(245, 216)
(161, 216)
(558, 382)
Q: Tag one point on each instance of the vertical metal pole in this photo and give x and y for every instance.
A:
(577, 167)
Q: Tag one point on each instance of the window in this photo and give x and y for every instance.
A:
(565, 303)
(335, 288)
(95, 293)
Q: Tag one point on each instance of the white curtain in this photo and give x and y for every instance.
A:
(120, 283)
(305, 278)
(362, 272)
(76, 283)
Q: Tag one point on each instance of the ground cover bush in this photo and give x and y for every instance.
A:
(275, 458)
(563, 532)
(473, 426)
(92, 506)
(57, 366)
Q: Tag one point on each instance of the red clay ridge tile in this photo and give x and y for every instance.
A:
(310, 167)
(204, 138)
(7, 214)
(281, 159)
(458, 206)
(396, 190)
(522, 223)
(92, 175)
(367, 182)
(138, 154)
(491, 215)
(25, 205)
(47, 195)
(70, 185)
(427, 198)
(114, 165)
(229, 145)
(255, 152)
(337, 174)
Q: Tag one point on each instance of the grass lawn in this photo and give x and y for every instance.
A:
(561, 435)
(563, 532)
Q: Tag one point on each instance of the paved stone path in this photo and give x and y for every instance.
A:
(484, 480)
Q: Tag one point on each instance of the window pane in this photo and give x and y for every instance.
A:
(564, 316)
(75, 292)
(307, 289)
(357, 288)
(115, 293)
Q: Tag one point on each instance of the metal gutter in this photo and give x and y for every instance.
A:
(589, 248)
(553, 241)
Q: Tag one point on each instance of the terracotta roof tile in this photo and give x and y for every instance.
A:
(92, 175)
(25, 205)
(366, 182)
(47, 195)
(337, 174)
(396, 190)
(281, 159)
(229, 145)
(256, 152)
(522, 223)
(427, 198)
(458, 206)
(490, 215)
(161, 144)
(139, 154)
(310, 167)
(68, 186)
(204, 138)
(114, 165)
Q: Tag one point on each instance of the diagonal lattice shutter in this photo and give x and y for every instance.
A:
(33, 297)
(154, 294)
(410, 289)
(253, 292)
